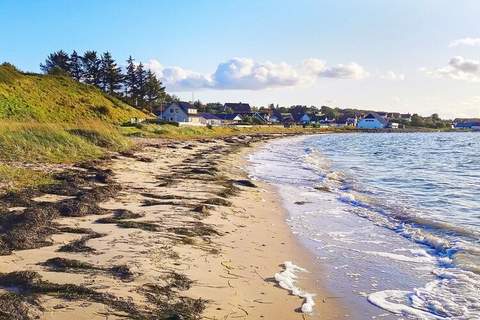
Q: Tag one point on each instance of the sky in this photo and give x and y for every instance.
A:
(417, 56)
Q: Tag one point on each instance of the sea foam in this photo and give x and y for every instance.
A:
(287, 279)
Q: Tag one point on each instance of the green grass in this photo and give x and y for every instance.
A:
(12, 178)
(57, 143)
(185, 133)
(57, 99)
(48, 119)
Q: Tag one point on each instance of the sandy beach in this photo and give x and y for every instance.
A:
(187, 235)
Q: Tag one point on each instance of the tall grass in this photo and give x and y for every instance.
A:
(57, 143)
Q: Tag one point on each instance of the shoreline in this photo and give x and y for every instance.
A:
(181, 230)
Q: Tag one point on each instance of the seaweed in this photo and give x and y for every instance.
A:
(120, 214)
(244, 183)
(31, 283)
(13, 307)
(218, 202)
(80, 244)
(62, 264)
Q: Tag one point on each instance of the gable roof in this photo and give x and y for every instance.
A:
(238, 107)
(209, 116)
(227, 116)
(374, 115)
(185, 106)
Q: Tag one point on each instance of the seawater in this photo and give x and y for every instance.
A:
(393, 219)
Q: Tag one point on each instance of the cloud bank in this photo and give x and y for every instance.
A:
(247, 74)
(471, 42)
(458, 68)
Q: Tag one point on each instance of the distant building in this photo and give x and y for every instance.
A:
(406, 117)
(229, 118)
(181, 112)
(346, 122)
(300, 115)
(467, 123)
(393, 115)
(372, 121)
(210, 119)
(238, 108)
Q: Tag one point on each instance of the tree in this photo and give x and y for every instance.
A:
(154, 91)
(130, 81)
(417, 121)
(328, 112)
(56, 62)
(110, 74)
(141, 81)
(91, 65)
(76, 67)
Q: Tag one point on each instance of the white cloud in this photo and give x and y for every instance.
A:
(243, 73)
(347, 71)
(247, 74)
(179, 79)
(391, 75)
(471, 42)
(458, 68)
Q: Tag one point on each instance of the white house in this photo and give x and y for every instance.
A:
(372, 121)
(181, 112)
(210, 119)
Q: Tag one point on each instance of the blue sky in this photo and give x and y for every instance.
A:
(386, 55)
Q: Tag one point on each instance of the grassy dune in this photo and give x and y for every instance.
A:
(57, 99)
(53, 119)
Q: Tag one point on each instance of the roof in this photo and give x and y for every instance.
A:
(185, 106)
(373, 115)
(209, 116)
(463, 120)
(227, 116)
(238, 107)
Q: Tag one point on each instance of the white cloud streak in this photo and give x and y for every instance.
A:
(470, 42)
(458, 68)
(247, 74)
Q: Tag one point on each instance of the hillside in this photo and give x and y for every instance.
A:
(57, 99)
(51, 120)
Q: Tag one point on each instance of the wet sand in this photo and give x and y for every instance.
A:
(195, 215)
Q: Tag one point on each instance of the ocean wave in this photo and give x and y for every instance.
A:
(287, 279)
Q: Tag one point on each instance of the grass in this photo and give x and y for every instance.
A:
(47, 98)
(47, 119)
(186, 133)
(57, 143)
(12, 179)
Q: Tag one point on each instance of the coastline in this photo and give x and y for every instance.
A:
(270, 243)
(180, 231)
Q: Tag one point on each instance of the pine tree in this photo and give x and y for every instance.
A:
(91, 65)
(57, 62)
(130, 82)
(76, 67)
(110, 74)
(141, 80)
(154, 91)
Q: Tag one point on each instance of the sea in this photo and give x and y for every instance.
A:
(392, 219)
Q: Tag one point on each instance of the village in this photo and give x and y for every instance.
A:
(186, 113)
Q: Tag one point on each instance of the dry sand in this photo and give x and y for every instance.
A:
(232, 270)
